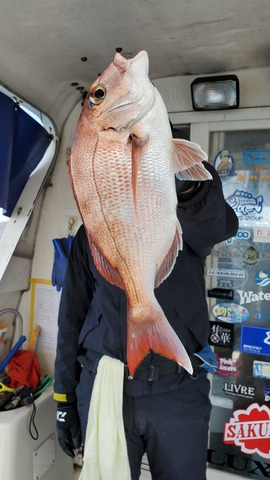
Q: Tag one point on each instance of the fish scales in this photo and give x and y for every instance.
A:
(122, 167)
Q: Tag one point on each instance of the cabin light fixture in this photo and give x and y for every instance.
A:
(215, 93)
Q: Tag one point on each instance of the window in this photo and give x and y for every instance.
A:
(28, 144)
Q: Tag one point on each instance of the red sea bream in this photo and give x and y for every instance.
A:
(123, 165)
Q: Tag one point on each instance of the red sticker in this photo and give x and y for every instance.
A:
(228, 366)
(250, 430)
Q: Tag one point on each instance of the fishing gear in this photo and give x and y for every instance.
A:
(16, 400)
(6, 396)
(44, 383)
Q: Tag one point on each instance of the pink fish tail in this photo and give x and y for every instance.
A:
(153, 332)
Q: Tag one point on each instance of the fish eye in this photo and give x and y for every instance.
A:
(97, 95)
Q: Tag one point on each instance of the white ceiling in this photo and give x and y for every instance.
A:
(43, 41)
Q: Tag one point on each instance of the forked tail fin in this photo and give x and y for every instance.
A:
(153, 332)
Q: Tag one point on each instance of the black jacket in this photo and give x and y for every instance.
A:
(92, 314)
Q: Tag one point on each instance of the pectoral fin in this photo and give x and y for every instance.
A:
(187, 160)
(137, 151)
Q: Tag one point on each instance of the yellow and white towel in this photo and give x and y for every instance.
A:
(105, 453)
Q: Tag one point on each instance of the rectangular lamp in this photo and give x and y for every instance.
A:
(215, 93)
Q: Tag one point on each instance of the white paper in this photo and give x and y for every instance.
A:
(47, 301)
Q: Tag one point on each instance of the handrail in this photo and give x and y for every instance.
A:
(13, 310)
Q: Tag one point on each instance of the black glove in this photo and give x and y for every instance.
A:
(68, 428)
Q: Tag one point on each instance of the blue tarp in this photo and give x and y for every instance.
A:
(23, 142)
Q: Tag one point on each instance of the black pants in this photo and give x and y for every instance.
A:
(171, 427)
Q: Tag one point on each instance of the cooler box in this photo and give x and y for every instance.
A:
(22, 457)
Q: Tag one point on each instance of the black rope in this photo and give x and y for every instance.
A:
(32, 426)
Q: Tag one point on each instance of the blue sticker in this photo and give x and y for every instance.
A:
(266, 393)
(255, 340)
(230, 312)
(262, 278)
(241, 234)
(224, 164)
(261, 369)
(254, 157)
(261, 315)
(245, 203)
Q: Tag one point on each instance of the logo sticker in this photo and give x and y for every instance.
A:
(230, 312)
(226, 272)
(221, 335)
(260, 315)
(228, 366)
(250, 296)
(223, 252)
(254, 157)
(244, 203)
(261, 234)
(250, 430)
(225, 293)
(266, 393)
(261, 369)
(262, 278)
(224, 164)
(239, 390)
(264, 256)
(255, 340)
(228, 276)
(241, 234)
(251, 256)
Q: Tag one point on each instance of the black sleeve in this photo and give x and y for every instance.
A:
(76, 297)
(206, 218)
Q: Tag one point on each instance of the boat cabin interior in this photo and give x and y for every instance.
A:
(50, 53)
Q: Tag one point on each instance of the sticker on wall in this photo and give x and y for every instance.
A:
(241, 235)
(225, 293)
(230, 312)
(255, 340)
(221, 335)
(239, 390)
(250, 430)
(224, 253)
(251, 256)
(246, 205)
(261, 369)
(252, 297)
(266, 393)
(224, 164)
(228, 272)
(255, 157)
(261, 234)
(261, 315)
(228, 366)
(262, 278)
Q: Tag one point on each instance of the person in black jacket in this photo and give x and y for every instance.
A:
(165, 410)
